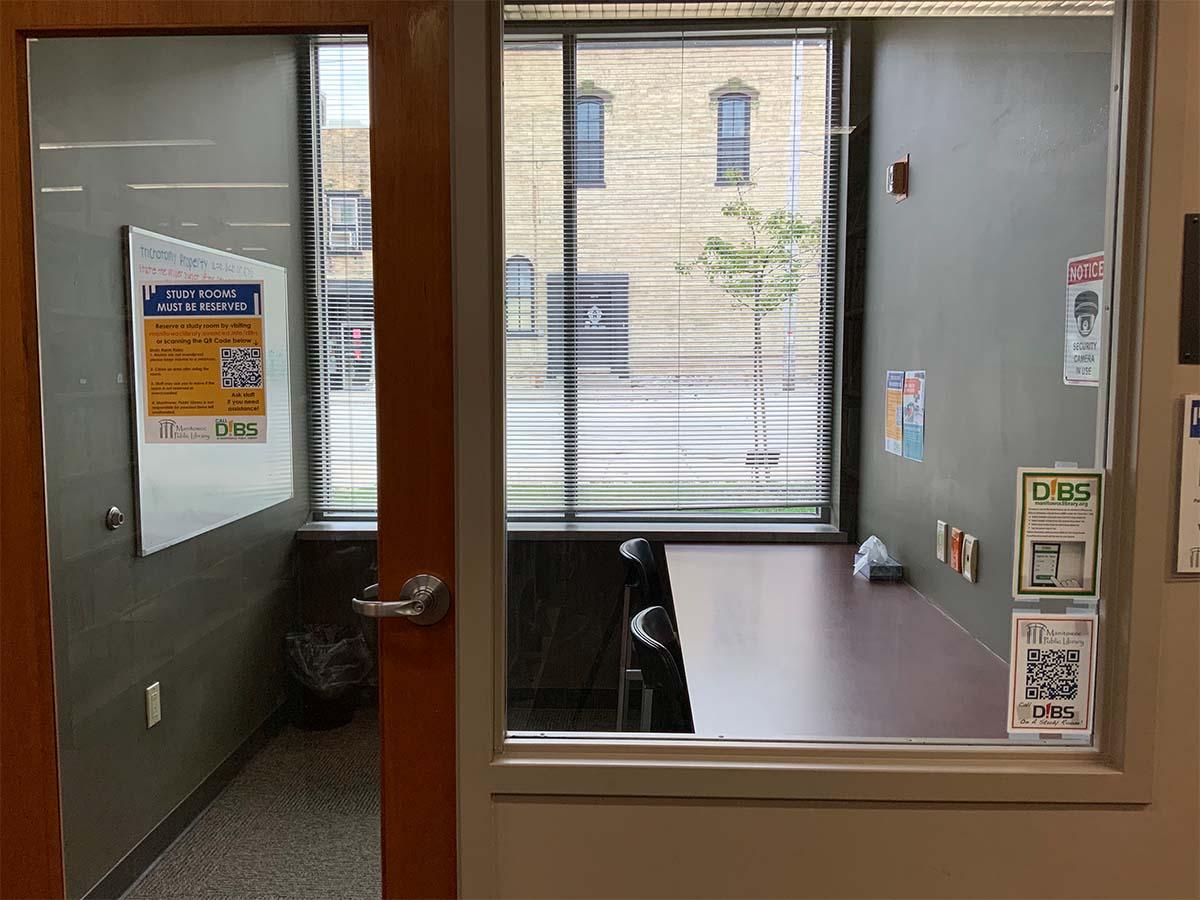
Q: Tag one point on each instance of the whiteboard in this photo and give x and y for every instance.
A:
(212, 423)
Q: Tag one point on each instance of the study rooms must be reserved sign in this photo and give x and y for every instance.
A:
(204, 356)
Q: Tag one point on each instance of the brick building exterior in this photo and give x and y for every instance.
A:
(659, 197)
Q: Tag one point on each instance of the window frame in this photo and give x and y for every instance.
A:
(334, 227)
(725, 175)
(805, 516)
(531, 298)
(597, 178)
(1116, 768)
(331, 303)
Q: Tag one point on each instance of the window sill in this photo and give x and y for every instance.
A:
(692, 532)
(608, 764)
(339, 530)
(709, 532)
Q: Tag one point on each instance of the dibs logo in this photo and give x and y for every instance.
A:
(1062, 490)
(227, 428)
(1052, 711)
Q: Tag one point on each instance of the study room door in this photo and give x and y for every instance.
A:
(171, 171)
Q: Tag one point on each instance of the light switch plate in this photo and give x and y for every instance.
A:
(970, 561)
(941, 541)
(956, 548)
(153, 705)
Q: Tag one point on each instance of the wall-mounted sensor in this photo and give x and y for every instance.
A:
(970, 560)
(897, 179)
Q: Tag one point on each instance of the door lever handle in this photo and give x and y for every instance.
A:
(424, 600)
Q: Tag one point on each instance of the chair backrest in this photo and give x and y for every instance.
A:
(661, 661)
(641, 574)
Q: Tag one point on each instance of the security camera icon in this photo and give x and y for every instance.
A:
(1087, 307)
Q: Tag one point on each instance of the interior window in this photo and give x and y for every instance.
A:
(768, 462)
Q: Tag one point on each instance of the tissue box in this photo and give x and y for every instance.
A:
(887, 570)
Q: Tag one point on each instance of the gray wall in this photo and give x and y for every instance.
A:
(206, 618)
(1006, 121)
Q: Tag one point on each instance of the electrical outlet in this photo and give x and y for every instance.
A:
(970, 560)
(941, 541)
(153, 705)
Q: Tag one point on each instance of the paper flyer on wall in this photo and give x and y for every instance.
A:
(1052, 668)
(893, 426)
(914, 415)
(1081, 345)
(1057, 533)
(1187, 561)
(204, 353)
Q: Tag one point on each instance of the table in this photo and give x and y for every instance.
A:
(785, 641)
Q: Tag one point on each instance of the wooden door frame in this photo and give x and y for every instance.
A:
(409, 71)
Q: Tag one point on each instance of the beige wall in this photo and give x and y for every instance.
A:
(660, 200)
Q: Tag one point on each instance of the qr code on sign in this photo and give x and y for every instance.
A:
(1051, 674)
(241, 367)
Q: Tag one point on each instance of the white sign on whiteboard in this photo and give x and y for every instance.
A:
(211, 391)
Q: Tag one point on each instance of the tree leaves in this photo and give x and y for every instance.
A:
(764, 270)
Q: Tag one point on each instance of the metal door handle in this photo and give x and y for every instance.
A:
(424, 600)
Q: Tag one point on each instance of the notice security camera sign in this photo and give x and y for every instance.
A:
(1085, 304)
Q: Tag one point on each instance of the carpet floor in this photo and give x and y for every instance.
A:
(299, 822)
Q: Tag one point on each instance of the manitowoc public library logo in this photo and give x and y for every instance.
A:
(1035, 633)
(1044, 634)
(170, 430)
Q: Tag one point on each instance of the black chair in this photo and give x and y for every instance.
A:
(642, 588)
(664, 687)
(641, 575)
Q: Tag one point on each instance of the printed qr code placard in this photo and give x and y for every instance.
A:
(241, 367)
(1051, 673)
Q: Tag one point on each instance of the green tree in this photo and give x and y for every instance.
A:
(760, 271)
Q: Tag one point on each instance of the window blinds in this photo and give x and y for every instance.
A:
(681, 359)
(341, 297)
(582, 10)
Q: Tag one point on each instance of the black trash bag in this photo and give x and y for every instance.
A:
(328, 659)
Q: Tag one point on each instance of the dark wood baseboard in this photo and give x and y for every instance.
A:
(126, 873)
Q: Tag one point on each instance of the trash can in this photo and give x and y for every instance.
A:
(328, 662)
